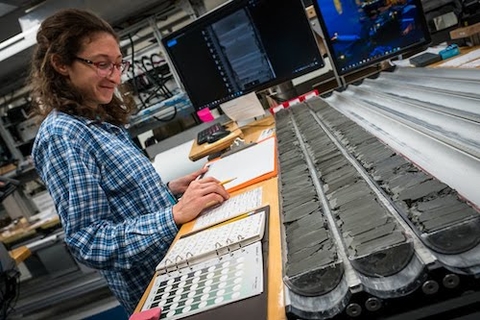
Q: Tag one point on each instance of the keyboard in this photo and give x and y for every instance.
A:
(203, 135)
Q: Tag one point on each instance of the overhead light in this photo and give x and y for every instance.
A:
(34, 7)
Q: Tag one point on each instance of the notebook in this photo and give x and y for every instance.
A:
(247, 167)
(229, 209)
(219, 240)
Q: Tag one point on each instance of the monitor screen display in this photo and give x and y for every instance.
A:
(361, 32)
(243, 46)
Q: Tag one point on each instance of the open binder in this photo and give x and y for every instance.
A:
(219, 240)
(209, 290)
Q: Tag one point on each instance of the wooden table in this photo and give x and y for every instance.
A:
(276, 307)
(20, 254)
(9, 237)
(26, 230)
(463, 51)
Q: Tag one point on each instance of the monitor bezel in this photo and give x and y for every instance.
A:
(414, 47)
(217, 14)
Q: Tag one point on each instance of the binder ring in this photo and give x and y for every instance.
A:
(188, 255)
(167, 263)
(217, 247)
(229, 243)
(178, 258)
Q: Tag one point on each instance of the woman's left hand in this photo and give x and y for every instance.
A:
(180, 185)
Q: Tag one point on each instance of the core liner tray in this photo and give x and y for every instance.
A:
(358, 218)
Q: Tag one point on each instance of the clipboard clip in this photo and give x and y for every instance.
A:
(238, 145)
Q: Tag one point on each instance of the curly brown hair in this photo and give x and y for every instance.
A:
(62, 35)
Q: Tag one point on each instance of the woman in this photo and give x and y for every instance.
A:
(118, 215)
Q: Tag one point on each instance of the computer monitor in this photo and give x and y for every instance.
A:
(241, 47)
(360, 33)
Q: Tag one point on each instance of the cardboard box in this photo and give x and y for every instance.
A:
(465, 32)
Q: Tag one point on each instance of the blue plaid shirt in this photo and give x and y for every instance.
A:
(114, 207)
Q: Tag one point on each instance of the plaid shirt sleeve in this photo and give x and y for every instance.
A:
(93, 234)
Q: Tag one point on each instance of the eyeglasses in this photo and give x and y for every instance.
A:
(105, 68)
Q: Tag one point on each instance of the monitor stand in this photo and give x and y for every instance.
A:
(244, 109)
(284, 91)
(245, 122)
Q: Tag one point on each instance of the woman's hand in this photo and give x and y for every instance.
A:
(199, 195)
(180, 185)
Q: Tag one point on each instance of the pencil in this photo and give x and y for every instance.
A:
(213, 203)
(224, 222)
(227, 181)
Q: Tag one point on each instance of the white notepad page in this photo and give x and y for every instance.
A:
(244, 165)
(231, 208)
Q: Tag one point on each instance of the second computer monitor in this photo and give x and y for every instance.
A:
(241, 47)
(360, 33)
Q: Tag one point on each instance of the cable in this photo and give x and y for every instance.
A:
(169, 119)
(134, 80)
(17, 293)
(158, 56)
(154, 80)
(9, 282)
(160, 75)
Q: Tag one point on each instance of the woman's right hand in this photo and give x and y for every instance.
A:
(199, 195)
